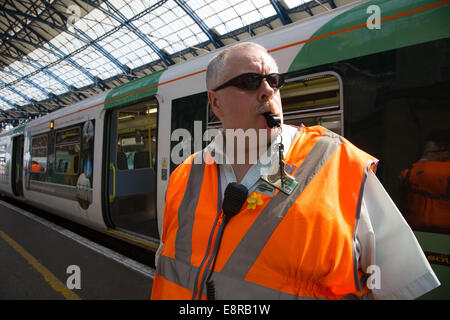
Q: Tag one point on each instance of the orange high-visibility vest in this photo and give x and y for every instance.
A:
(285, 247)
(426, 188)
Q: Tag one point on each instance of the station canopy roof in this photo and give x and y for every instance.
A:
(54, 53)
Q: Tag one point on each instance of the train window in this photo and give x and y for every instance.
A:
(187, 112)
(314, 99)
(332, 122)
(136, 138)
(67, 151)
(39, 154)
(68, 136)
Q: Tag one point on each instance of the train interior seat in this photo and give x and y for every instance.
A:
(122, 161)
(141, 160)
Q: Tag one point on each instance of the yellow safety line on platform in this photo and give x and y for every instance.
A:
(53, 281)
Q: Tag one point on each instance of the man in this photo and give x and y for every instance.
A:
(335, 234)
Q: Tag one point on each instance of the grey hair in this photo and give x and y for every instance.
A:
(218, 62)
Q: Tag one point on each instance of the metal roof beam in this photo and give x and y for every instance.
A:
(308, 9)
(118, 16)
(281, 12)
(37, 86)
(17, 107)
(5, 85)
(332, 4)
(102, 50)
(15, 114)
(57, 52)
(11, 22)
(12, 104)
(32, 83)
(41, 68)
(85, 38)
(209, 33)
(12, 114)
(28, 9)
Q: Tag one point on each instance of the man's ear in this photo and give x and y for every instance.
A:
(214, 103)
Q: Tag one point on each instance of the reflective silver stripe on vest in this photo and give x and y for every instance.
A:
(184, 275)
(179, 272)
(251, 245)
(186, 211)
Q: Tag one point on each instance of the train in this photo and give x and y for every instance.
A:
(376, 72)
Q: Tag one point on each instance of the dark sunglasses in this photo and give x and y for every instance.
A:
(252, 81)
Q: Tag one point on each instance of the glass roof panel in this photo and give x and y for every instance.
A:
(96, 23)
(30, 91)
(130, 8)
(7, 77)
(226, 16)
(71, 75)
(67, 43)
(96, 63)
(13, 97)
(20, 69)
(48, 83)
(124, 45)
(124, 8)
(294, 3)
(168, 26)
(4, 105)
(42, 57)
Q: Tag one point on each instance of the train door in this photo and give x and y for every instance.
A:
(17, 165)
(132, 173)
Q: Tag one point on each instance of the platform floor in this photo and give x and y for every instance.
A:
(40, 260)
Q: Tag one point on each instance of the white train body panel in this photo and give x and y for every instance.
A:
(6, 165)
(90, 109)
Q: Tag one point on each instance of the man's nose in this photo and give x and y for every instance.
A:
(265, 91)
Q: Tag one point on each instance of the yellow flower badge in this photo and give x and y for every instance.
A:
(254, 200)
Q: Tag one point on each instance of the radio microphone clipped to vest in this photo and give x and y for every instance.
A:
(233, 199)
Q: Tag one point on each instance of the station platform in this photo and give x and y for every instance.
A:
(40, 260)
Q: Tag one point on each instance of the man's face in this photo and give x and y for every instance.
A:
(239, 108)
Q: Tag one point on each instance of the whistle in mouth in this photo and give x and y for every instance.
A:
(272, 120)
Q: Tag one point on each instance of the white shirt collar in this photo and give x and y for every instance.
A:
(251, 178)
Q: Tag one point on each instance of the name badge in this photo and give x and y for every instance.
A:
(287, 185)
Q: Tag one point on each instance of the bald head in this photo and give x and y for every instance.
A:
(216, 71)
